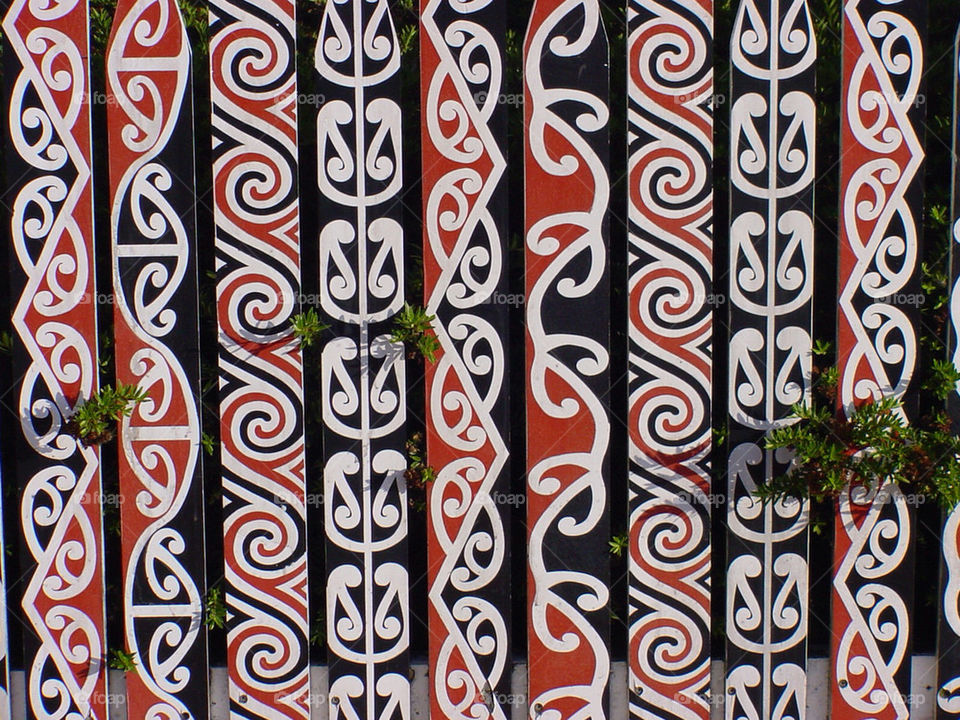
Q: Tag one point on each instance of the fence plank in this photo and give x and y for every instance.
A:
(880, 221)
(566, 96)
(359, 160)
(465, 232)
(5, 704)
(670, 146)
(49, 191)
(253, 91)
(152, 190)
(948, 629)
(773, 117)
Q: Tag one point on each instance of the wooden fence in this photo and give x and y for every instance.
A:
(689, 359)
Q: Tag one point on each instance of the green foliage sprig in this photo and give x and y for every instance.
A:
(619, 543)
(122, 660)
(307, 327)
(873, 446)
(412, 326)
(214, 609)
(94, 421)
(318, 629)
(418, 473)
(209, 443)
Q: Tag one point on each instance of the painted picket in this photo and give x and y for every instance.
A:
(5, 706)
(880, 230)
(772, 130)
(670, 146)
(948, 637)
(468, 412)
(567, 195)
(253, 91)
(50, 196)
(359, 178)
(153, 242)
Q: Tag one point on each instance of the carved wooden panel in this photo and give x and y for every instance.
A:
(948, 641)
(880, 221)
(48, 167)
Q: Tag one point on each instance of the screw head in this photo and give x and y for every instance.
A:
(843, 682)
(731, 691)
(243, 698)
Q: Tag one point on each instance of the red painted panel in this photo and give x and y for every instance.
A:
(48, 167)
(670, 146)
(567, 322)
(880, 215)
(464, 139)
(152, 190)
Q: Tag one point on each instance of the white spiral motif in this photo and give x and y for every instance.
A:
(670, 146)
(253, 88)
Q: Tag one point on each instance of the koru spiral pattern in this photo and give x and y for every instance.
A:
(670, 155)
(52, 272)
(254, 94)
(772, 145)
(465, 230)
(880, 216)
(359, 178)
(149, 126)
(568, 366)
(948, 659)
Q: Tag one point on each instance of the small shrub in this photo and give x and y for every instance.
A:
(418, 473)
(875, 445)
